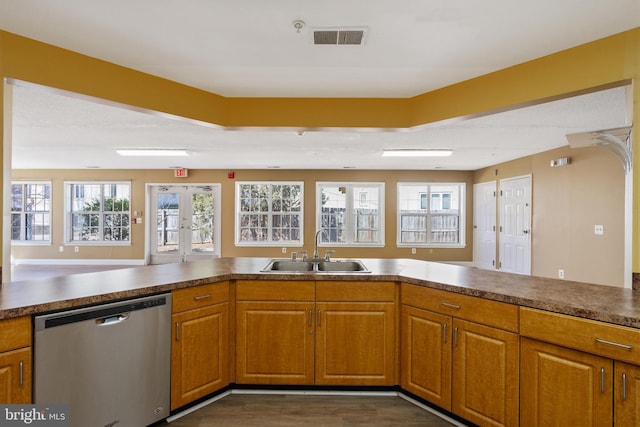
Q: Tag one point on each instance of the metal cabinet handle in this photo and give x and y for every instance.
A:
(447, 304)
(444, 333)
(455, 337)
(615, 344)
(310, 317)
(21, 373)
(319, 318)
(177, 331)
(624, 386)
(602, 380)
(201, 297)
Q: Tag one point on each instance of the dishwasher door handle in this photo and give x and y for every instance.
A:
(110, 320)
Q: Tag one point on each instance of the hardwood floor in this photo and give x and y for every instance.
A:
(271, 410)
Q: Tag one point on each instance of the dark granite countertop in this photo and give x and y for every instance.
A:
(604, 303)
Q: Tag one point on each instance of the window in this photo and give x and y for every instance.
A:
(269, 213)
(98, 212)
(431, 214)
(31, 212)
(351, 214)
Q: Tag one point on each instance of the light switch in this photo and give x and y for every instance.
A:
(598, 230)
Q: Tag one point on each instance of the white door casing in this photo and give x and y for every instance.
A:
(484, 225)
(515, 225)
(183, 222)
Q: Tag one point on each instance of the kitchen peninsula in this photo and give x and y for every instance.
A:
(477, 327)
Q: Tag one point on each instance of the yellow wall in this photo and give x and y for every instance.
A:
(139, 178)
(567, 203)
(600, 63)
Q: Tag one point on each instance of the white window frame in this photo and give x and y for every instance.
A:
(22, 212)
(461, 215)
(350, 226)
(270, 214)
(68, 222)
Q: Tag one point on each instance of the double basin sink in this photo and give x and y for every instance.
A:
(315, 266)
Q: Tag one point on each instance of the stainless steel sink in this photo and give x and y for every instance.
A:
(341, 266)
(288, 265)
(315, 266)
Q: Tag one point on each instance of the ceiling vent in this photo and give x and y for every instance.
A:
(339, 36)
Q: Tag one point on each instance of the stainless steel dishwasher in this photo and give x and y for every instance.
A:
(110, 363)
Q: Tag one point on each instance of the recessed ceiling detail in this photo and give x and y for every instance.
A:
(339, 36)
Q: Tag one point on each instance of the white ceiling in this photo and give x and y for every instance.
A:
(249, 48)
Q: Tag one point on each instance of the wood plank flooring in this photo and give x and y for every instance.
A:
(279, 410)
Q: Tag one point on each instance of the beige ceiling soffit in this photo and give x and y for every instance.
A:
(616, 140)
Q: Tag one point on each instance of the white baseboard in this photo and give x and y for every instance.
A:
(66, 261)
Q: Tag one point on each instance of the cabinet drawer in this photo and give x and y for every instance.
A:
(199, 296)
(491, 313)
(275, 290)
(604, 339)
(15, 333)
(355, 291)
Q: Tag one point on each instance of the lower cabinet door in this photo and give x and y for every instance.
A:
(627, 394)
(355, 343)
(485, 374)
(426, 355)
(199, 353)
(274, 342)
(564, 387)
(15, 376)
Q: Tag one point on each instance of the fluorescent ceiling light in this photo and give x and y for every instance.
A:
(409, 152)
(152, 152)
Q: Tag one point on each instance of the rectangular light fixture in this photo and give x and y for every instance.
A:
(410, 152)
(152, 152)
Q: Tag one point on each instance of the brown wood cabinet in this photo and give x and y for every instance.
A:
(15, 360)
(426, 355)
(274, 342)
(468, 368)
(563, 387)
(275, 333)
(355, 343)
(589, 384)
(485, 378)
(200, 342)
(327, 333)
(626, 394)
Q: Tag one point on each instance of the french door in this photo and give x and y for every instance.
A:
(184, 223)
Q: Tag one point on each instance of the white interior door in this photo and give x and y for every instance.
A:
(184, 222)
(484, 225)
(515, 225)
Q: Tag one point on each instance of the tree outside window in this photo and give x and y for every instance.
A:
(269, 213)
(31, 212)
(99, 212)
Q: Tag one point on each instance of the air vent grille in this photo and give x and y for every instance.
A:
(354, 37)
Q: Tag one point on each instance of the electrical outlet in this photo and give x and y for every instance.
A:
(284, 250)
(413, 251)
(76, 249)
(60, 248)
(598, 230)
(560, 274)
